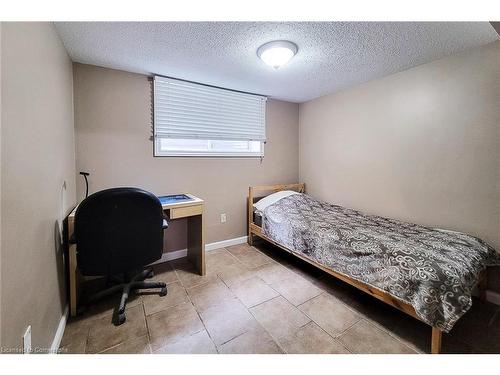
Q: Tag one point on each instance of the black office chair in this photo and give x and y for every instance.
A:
(118, 232)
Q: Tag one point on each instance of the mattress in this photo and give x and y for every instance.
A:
(257, 218)
(434, 271)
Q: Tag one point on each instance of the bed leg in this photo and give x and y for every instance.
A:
(483, 285)
(250, 215)
(436, 340)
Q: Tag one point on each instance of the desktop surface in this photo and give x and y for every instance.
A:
(176, 198)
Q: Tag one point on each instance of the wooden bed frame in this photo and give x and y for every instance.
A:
(255, 230)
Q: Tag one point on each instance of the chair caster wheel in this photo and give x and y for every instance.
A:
(163, 292)
(121, 318)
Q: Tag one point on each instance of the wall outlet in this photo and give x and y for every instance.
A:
(27, 341)
(223, 218)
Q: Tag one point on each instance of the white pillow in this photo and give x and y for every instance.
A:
(273, 198)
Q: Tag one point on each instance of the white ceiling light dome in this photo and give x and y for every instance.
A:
(277, 53)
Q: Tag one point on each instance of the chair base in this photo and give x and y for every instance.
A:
(136, 282)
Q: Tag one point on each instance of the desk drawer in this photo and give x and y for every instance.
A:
(176, 213)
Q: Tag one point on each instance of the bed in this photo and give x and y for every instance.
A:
(427, 273)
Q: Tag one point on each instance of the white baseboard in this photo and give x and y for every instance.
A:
(208, 247)
(171, 256)
(230, 242)
(493, 297)
(54, 348)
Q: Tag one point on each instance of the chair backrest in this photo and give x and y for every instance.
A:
(118, 230)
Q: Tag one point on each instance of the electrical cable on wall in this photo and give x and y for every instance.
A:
(85, 174)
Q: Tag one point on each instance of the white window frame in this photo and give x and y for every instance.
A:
(161, 101)
(159, 152)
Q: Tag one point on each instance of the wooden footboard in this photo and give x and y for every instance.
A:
(255, 230)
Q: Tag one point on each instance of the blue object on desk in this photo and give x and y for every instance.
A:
(176, 198)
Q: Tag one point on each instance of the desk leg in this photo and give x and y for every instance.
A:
(73, 277)
(196, 243)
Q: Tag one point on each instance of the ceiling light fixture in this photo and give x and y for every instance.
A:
(277, 53)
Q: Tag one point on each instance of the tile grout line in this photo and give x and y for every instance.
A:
(123, 342)
(235, 257)
(87, 340)
(270, 285)
(236, 297)
(291, 303)
(341, 332)
(147, 326)
(336, 338)
(376, 325)
(192, 304)
(201, 320)
(255, 249)
(276, 341)
(391, 334)
(272, 261)
(261, 303)
(257, 276)
(382, 328)
(361, 318)
(348, 328)
(278, 295)
(234, 338)
(344, 331)
(248, 310)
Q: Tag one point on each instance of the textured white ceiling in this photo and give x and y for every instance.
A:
(331, 56)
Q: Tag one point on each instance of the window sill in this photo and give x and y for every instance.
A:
(209, 155)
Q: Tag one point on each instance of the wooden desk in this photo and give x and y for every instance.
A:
(192, 210)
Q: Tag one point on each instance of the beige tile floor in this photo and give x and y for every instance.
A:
(263, 300)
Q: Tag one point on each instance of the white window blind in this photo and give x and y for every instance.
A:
(185, 110)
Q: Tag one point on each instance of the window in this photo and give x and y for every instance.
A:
(201, 147)
(196, 120)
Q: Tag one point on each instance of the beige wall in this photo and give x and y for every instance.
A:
(422, 145)
(113, 130)
(38, 156)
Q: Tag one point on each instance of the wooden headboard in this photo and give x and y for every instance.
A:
(269, 189)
